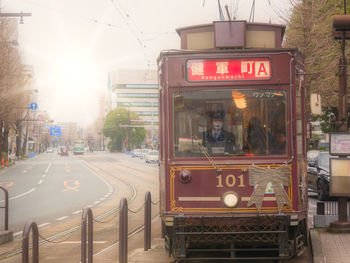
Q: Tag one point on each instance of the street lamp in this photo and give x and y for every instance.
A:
(341, 31)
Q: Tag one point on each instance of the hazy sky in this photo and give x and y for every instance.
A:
(73, 44)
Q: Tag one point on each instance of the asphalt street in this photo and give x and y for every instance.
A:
(52, 191)
(49, 188)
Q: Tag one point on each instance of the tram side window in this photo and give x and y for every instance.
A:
(229, 122)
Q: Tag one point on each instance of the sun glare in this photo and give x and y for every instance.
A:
(76, 86)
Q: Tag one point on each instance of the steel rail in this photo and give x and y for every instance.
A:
(75, 228)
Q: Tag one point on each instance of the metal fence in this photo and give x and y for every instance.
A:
(329, 208)
(87, 233)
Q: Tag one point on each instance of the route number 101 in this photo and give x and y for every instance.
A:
(229, 180)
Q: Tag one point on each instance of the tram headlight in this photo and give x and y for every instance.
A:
(185, 176)
(231, 199)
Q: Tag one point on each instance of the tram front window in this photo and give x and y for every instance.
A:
(230, 122)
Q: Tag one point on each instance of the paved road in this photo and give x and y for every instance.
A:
(50, 188)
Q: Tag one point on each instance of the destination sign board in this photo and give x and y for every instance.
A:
(339, 143)
(228, 69)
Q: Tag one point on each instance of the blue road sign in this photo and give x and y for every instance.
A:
(33, 106)
(55, 130)
(155, 139)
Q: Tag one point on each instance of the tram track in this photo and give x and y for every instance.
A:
(100, 172)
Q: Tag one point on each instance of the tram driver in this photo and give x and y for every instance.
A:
(216, 139)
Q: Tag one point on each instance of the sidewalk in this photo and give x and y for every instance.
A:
(330, 247)
(136, 253)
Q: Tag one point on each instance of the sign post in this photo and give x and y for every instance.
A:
(340, 178)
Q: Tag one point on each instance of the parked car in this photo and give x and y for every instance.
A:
(144, 153)
(49, 150)
(152, 157)
(136, 153)
(318, 174)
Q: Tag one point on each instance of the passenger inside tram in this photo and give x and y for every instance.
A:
(256, 139)
(249, 121)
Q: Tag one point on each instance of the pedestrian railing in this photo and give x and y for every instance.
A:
(25, 243)
(87, 233)
(329, 208)
(6, 207)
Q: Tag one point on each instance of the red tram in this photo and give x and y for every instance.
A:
(232, 144)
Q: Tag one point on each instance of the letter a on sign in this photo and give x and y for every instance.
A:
(262, 69)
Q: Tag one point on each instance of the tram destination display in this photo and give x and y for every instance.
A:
(228, 69)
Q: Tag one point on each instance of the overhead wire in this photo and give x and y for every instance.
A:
(71, 14)
(133, 27)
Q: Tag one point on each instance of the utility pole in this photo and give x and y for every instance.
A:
(20, 14)
(341, 29)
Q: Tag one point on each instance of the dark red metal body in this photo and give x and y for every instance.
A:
(201, 197)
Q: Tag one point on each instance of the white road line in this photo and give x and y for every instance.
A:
(18, 233)
(44, 224)
(97, 202)
(47, 169)
(105, 196)
(44, 175)
(21, 195)
(76, 212)
(61, 218)
(102, 198)
(40, 181)
(24, 171)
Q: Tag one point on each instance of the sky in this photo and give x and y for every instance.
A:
(73, 44)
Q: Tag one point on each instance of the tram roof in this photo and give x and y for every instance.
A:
(175, 52)
(231, 34)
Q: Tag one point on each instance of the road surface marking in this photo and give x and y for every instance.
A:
(76, 212)
(44, 224)
(97, 202)
(44, 175)
(67, 170)
(47, 169)
(24, 171)
(102, 198)
(21, 195)
(7, 184)
(40, 181)
(61, 218)
(71, 185)
(18, 233)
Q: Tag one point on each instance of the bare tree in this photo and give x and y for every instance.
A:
(14, 100)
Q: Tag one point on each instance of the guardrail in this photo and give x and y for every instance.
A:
(6, 207)
(87, 233)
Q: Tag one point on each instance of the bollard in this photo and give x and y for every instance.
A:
(86, 218)
(147, 214)
(25, 243)
(123, 231)
(6, 208)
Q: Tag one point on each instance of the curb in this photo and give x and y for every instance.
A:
(316, 247)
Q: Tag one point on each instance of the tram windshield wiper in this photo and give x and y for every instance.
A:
(211, 160)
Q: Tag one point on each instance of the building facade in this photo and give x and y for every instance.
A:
(137, 90)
